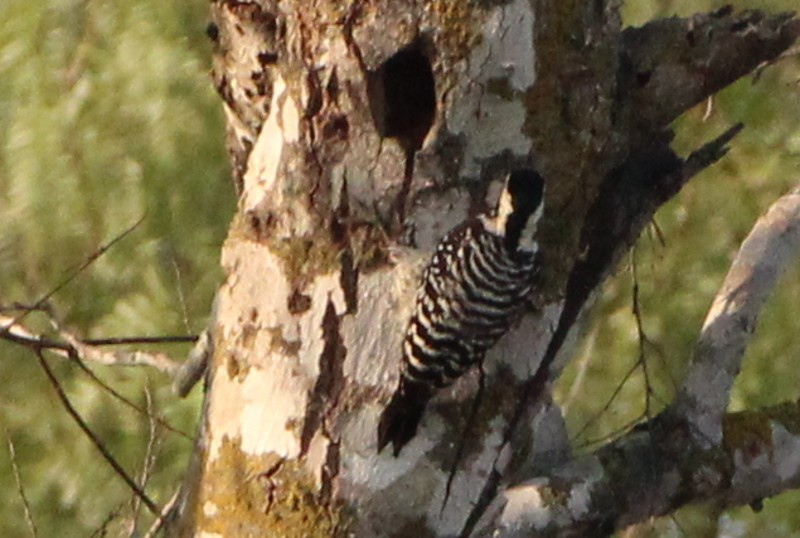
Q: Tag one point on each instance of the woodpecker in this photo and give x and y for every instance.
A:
(472, 290)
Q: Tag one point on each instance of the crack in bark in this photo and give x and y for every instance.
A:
(348, 280)
(324, 398)
(340, 232)
(330, 470)
(462, 442)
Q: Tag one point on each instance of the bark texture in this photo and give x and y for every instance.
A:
(359, 133)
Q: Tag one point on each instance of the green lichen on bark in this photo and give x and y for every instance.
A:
(570, 122)
(255, 496)
(751, 431)
(787, 414)
(459, 27)
(303, 257)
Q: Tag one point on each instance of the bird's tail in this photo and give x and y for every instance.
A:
(401, 417)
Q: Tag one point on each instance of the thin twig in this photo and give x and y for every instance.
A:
(149, 457)
(608, 403)
(122, 340)
(20, 488)
(613, 434)
(654, 226)
(12, 331)
(580, 376)
(165, 515)
(73, 274)
(181, 297)
(102, 530)
(126, 401)
(62, 396)
(642, 337)
(17, 306)
(462, 441)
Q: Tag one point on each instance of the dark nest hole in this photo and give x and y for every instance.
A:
(402, 96)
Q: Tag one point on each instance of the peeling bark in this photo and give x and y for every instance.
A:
(347, 178)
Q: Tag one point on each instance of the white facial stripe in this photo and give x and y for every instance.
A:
(526, 242)
(504, 209)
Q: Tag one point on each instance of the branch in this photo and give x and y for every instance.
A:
(151, 506)
(126, 340)
(693, 58)
(73, 273)
(771, 246)
(13, 331)
(628, 199)
(653, 471)
(160, 361)
(168, 514)
(12, 453)
(149, 460)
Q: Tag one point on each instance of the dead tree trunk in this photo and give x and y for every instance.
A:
(361, 132)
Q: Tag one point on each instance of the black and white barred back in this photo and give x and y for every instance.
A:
(472, 290)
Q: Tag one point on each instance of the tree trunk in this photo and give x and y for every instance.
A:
(359, 134)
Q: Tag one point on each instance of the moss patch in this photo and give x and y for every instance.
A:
(260, 496)
(459, 25)
(748, 431)
(787, 414)
(751, 431)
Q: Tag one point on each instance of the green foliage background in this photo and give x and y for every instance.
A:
(107, 114)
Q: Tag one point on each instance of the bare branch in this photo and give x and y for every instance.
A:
(12, 330)
(159, 361)
(195, 365)
(771, 246)
(169, 512)
(72, 274)
(102, 530)
(149, 458)
(127, 340)
(12, 452)
(62, 396)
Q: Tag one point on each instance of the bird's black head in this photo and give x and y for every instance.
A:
(522, 202)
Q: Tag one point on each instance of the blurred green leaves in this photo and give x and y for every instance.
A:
(107, 115)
